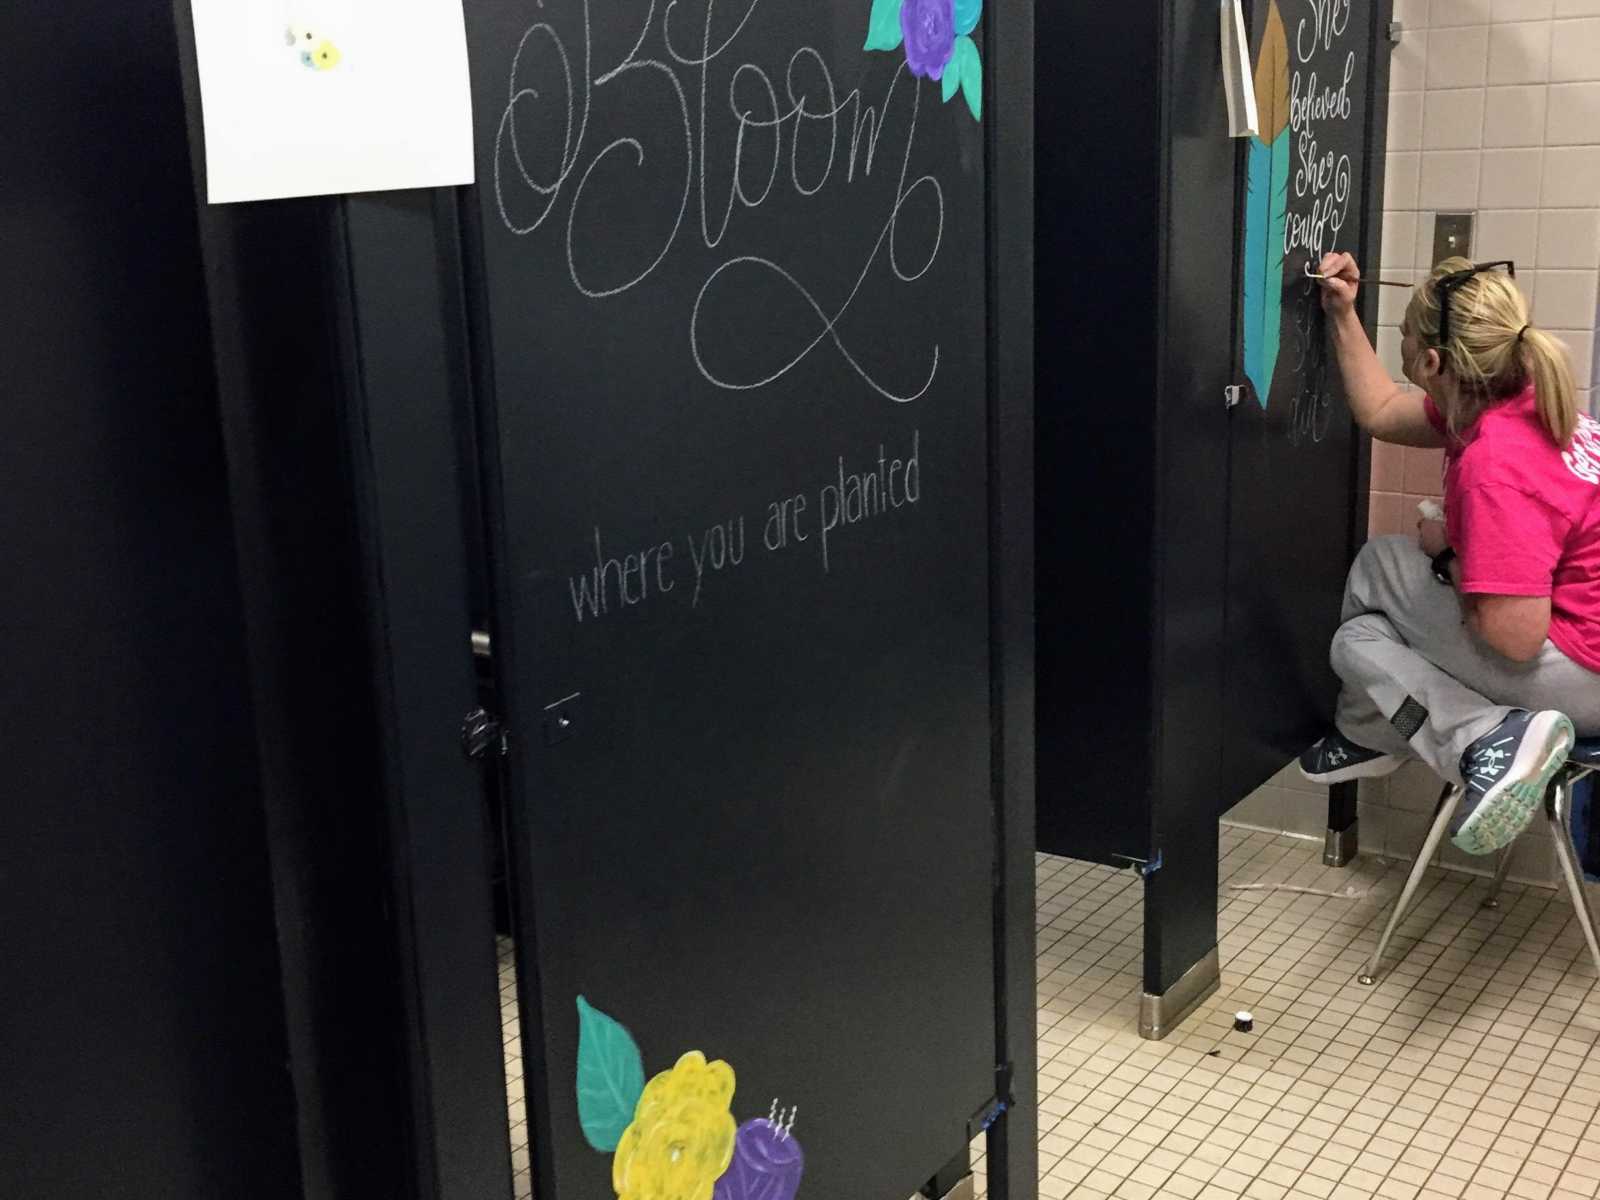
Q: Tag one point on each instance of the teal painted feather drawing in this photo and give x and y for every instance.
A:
(1266, 210)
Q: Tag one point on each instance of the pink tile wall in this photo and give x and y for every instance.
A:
(1401, 478)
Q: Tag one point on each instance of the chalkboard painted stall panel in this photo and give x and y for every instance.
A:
(733, 281)
(1307, 192)
(1190, 554)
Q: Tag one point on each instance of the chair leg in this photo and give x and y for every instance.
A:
(1449, 799)
(1502, 868)
(1558, 811)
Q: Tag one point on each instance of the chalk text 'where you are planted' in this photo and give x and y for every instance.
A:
(885, 487)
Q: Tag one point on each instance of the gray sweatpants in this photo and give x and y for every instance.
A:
(1419, 683)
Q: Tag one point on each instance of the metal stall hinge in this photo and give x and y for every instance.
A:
(1397, 30)
(1145, 867)
(482, 735)
(1232, 394)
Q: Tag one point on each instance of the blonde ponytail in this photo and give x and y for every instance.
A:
(1494, 351)
(1546, 361)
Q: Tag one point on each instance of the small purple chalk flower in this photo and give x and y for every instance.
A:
(930, 35)
(767, 1164)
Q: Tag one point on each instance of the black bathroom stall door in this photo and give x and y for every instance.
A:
(736, 381)
(1296, 509)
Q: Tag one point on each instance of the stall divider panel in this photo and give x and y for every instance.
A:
(1013, 1145)
(1192, 338)
(1192, 535)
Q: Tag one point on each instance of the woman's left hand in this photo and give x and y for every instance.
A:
(1432, 536)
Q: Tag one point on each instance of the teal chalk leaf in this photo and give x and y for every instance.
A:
(610, 1077)
(950, 82)
(967, 14)
(966, 62)
(883, 27)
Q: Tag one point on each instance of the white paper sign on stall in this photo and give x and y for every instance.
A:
(321, 97)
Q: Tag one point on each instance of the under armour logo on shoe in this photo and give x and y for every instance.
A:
(1490, 762)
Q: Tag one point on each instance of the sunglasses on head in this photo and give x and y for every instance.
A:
(1449, 284)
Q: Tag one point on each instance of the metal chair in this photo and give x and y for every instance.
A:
(1584, 759)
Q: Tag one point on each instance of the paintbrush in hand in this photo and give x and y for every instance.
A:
(1310, 274)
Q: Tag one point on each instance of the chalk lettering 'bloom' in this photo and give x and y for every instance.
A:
(681, 1139)
(930, 32)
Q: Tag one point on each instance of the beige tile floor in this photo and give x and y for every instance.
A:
(1472, 1070)
(516, 1103)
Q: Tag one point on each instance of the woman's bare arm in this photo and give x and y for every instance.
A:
(1380, 406)
(1513, 626)
(1385, 410)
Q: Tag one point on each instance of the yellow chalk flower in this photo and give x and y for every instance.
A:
(681, 1139)
(326, 56)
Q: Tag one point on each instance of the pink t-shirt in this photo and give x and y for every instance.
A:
(1524, 516)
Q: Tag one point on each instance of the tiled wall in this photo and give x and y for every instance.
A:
(1402, 477)
(1494, 110)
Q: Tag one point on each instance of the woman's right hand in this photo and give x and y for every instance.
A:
(1340, 285)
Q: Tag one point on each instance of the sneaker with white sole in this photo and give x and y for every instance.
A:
(1336, 759)
(1507, 772)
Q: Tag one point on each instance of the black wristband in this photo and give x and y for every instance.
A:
(1441, 565)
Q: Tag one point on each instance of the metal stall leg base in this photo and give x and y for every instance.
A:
(1339, 846)
(1160, 1015)
(1342, 840)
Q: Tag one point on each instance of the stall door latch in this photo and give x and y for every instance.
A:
(482, 735)
(561, 719)
(996, 1106)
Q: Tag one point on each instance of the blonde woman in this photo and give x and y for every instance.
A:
(1476, 646)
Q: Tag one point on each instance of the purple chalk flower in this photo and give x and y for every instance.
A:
(930, 32)
(767, 1164)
